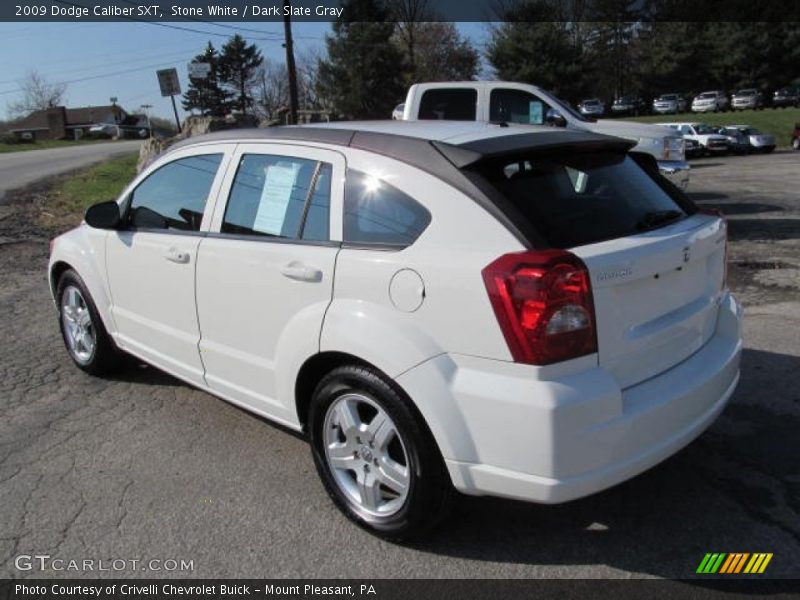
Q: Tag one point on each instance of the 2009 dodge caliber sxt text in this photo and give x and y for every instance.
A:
(512, 311)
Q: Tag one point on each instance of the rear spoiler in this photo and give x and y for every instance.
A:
(465, 155)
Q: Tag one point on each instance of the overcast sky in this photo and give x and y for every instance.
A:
(101, 60)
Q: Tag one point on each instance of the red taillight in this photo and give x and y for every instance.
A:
(543, 303)
(724, 226)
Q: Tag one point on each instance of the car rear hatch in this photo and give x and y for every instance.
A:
(655, 295)
(656, 264)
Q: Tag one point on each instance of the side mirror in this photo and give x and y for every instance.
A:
(104, 215)
(554, 118)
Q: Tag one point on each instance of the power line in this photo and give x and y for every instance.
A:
(168, 26)
(123, 72)
(111, 64)
(223, 25)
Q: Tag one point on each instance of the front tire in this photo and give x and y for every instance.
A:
(375, 455)
(83, 332)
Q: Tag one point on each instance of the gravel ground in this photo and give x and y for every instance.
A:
(144, 467)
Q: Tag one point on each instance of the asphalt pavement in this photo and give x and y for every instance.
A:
(143, 467)
(18, 169)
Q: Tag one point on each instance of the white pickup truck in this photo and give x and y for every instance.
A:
(521, 103)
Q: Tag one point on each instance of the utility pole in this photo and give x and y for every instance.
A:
(287, 30)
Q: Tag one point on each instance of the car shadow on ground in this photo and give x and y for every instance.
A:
(767, 230)
(717, 495)
(133, 370)
(715, 201)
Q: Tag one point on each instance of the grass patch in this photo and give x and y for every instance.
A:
(779, 122)
(43, 144)
(65, 203)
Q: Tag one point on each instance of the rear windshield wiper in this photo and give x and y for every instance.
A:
(656, 218)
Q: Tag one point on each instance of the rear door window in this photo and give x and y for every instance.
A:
(279, 196)
(449, 104)
(578, 199)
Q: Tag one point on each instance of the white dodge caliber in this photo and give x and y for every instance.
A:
(529, 313)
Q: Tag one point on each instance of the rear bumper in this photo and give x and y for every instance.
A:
(561, 439)
(677, 171)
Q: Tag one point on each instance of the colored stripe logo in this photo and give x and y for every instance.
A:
(734, 563)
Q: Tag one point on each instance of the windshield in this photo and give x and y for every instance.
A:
(751, 131)
(667, 97)
(707, 95)
(746, 93)
(702, 129)
(591, 102)
(576, 199)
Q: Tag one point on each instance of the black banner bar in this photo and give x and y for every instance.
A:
(384, 589)
(441, 10)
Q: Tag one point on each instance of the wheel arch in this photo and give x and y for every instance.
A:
(57, 269)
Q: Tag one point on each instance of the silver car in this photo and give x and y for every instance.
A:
(759, 141)
(749, 98)
(593, 107)
(667, 104)
(710, 102)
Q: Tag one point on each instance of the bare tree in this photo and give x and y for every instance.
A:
(273, 93)
(307, 65)
(37, 94)
(409, 14)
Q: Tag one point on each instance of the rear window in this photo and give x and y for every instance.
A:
(577, 199)
(449, 104)
(377, 213)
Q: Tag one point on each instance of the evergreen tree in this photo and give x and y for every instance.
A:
(530, 48)
(206, 95)
(362, 77)
(238, 68)
(440, 54)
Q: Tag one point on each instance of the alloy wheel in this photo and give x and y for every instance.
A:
(366, 455)
(79, 330)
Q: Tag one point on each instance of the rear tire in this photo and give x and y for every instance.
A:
(85, 337)
(376, 457)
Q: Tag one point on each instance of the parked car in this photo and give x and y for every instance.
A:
(397, 113)
(592, 107)
(525, 104)
(669, 104)
(104, 130)
(710, 141)
(758, 141)
(785, 97)
(738, 142)
(749, 98)
(629, 105)
(796, 137)
(692, 148)
(714, 101)
(416, 356)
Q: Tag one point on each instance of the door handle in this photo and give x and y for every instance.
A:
(177, 256)
(300, 272)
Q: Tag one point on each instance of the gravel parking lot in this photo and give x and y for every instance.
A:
(145, 467)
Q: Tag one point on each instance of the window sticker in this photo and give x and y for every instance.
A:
(279, 181)
(535, 112)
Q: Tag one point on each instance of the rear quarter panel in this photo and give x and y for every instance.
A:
(455, 315)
